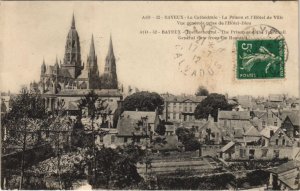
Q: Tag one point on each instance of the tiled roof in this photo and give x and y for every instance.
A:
(238, 115)
(137, 115)
(238, 132)
(294, 116)
(211, 125)
(266, 132)
(128, 123)
(286, 167)
(252, 131)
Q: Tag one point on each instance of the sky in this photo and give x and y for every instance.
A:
(33, 31)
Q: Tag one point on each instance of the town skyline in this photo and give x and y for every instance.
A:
(143, 62)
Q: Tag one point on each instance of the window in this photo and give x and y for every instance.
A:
(242, 153)
(113, 139)
(276, 141)
(138, 140)
(174, 115)
(191, 109)
(179, 115)
(276, 153)
(283, 141)
(101, 139)
(275, 123)
(264, 152)
(263, 123)
(125, 139)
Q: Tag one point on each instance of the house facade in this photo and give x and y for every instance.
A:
(180, 108)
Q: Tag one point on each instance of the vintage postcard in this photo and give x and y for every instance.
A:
(139, 95)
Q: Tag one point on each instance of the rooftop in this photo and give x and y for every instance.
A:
(238, 115)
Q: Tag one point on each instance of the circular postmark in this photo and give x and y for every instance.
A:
(200, 56)
(260, 52)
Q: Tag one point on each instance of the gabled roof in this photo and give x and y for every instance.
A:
(128, 123)
(252, 131)
(211, 125)
(266, 132)
(137, 115)
(294, 116)
(237, 115)
(129, 127)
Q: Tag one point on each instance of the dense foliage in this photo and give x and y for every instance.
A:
(116, 168)
(187, 137)
(202, 91)
(143, 101)
(26, 104)
(210, 106)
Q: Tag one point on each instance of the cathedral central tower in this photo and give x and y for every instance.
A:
(72, 57)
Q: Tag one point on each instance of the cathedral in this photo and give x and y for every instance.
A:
(71, 79)
(72, 73)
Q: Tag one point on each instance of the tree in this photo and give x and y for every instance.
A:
(27, 110)
(115, 169)
(202, 91)
(187, 137)
(143, 101)
(161, 128)
(210, 105)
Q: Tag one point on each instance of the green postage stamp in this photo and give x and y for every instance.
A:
(260, 59)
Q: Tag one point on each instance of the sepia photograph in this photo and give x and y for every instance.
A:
(149, 95)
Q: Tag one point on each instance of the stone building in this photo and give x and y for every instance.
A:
(65, 78)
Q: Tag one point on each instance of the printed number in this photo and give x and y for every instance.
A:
(247, 47)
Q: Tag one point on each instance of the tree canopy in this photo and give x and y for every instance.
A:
(202, 91)
(188, 139)
(26, 104)
(210, 105)
(143, 101)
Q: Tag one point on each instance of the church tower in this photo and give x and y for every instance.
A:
(110, 66)
(72, 57)
(92, 60)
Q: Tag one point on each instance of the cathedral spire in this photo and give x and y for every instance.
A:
(43, 67)
(72, 57)
(110, 66)
(73, 22)
(56, 60)
(92, 54)
(110, 54)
